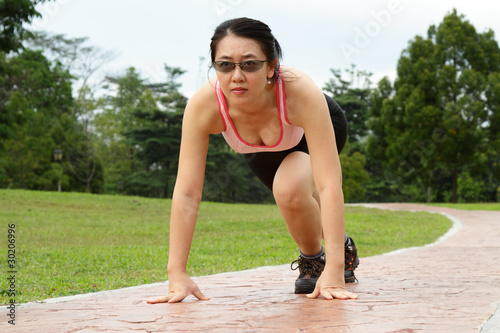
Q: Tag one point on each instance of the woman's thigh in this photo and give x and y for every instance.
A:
(294, 180)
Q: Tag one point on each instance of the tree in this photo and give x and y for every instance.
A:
(139, 133)
(37, 111)
(438, 123)
(82, 60)
(353, 95)
(13, 14)
(81, 154)
(493, 154)
(354, 176)
(351, 91)
(156, 136)
(158, 149)
(75, 55)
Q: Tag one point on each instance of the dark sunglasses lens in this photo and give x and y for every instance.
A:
(252, 66)
(247, 66)
(224, 66)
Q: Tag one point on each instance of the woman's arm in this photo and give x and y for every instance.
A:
(199, 121)
(310, 111)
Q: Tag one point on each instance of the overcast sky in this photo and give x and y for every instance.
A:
(315, 35)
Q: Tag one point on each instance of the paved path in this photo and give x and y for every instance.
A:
(452, 286)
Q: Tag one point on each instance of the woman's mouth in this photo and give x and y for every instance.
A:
(238, 90)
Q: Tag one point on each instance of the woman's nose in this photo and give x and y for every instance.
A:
(238, 74)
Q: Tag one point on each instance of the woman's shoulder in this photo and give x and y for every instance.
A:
(300, 90)
(297, 82)
(204, 95)
(204, 108)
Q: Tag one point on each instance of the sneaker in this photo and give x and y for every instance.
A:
(309, 273)
(351, 262)
(310, 269)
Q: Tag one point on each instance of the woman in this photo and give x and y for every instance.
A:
(282, 123)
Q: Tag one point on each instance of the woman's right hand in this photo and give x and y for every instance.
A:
(179, 287)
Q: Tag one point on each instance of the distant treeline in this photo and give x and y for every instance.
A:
(431, 135)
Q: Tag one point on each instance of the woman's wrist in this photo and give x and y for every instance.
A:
(176, 270)
(335, 259)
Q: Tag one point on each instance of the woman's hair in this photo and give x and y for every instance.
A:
(250, 28)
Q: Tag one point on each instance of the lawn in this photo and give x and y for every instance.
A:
(73, 243)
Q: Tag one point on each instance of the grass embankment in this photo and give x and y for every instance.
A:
(470, 206)
(73, 243)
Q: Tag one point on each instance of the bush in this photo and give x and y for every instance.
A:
(470, 189)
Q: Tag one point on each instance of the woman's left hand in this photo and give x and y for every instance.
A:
(331, 288)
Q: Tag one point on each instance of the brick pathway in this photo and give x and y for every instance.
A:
(452, 286)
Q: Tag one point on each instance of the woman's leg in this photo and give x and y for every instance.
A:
(298, 201)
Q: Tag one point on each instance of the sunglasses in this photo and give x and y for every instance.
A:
(248, 66)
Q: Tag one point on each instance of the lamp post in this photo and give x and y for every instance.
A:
(58, 158)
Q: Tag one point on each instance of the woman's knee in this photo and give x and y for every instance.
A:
(293, 184)
(288, 194)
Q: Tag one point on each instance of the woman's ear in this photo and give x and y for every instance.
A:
(272, 66)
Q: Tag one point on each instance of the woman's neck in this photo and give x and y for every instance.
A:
(259, 106)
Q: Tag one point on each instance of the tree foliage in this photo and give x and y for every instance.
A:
(13, 14)
(440, 122)
(115, 119)
(354, 175)
(351, 90)
(35, 119)
(352, 93)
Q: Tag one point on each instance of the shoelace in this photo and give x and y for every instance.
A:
(307, 266)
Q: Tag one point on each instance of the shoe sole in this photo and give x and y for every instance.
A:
(303, 289)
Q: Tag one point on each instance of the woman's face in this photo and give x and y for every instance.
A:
(239, 86)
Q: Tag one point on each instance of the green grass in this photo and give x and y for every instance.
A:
(73, 243)
(470, 206)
